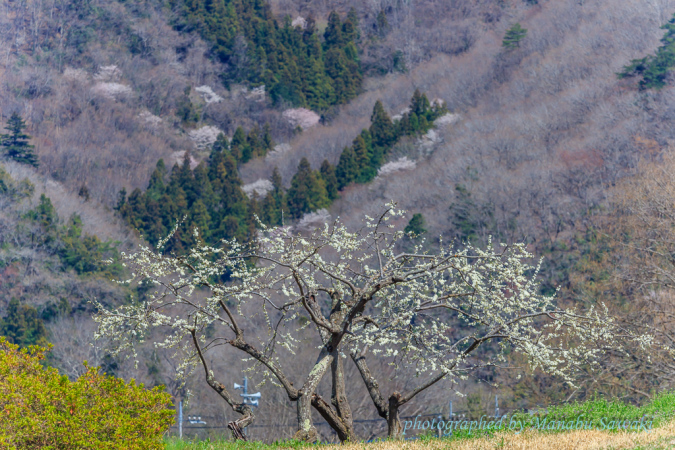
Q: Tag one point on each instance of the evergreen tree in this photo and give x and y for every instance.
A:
(381, 128)
(23, 326)
(654, 68)
(416, 225)
(347, 169)
(513, 36)
(382, 24)
(361, 153)
(419, 105)
(307, 192)
(333, 34)
(279, 196)
(238, 145)
(328, 174)
(15, 143)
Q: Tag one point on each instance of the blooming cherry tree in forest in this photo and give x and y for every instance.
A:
(364, 297)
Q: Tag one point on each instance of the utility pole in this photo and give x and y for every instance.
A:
(249, 399)
(180, 419)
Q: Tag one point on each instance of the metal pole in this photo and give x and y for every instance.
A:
(496, 406)
(450, 416)
(245, 392)
(180, 419)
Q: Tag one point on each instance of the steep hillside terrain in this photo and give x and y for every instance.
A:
(533, 138)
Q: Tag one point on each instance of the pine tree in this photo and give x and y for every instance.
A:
(15, 143)
(419, 104)
(382, 23)
(347, 169)
(238, 144)
(416, 225)
(381, 128)
(307, 192)
(328, 174)
(156, 184)
(654, 68)
(513, 36)
(361, 153)
(333, 34)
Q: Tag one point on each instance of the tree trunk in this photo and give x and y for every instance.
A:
(395, 430)
(339, 400)
(306, 431)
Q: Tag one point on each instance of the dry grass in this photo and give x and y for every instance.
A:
(663, 437)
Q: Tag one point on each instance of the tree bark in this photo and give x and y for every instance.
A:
(306, 430)
(339, 399)
(394, 428)
(245, 410)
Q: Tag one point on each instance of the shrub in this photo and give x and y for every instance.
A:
(41, 409)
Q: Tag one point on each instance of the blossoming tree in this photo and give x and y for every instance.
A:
(364, 297)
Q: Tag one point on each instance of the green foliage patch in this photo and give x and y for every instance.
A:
(41, 409)
(653, 69)
(209, 197)
(292, 62)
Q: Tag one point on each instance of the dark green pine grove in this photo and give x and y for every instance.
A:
(654, 68)
(360, 162)
(294, 64)
(209, 197)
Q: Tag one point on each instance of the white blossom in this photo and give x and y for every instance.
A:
(108, 73)
(427, 309)
(400, 164)
(204, 137)
(111, 90)
(301, 117)
(208, 95)
(313, 220)
(261, 187)
(72, 74)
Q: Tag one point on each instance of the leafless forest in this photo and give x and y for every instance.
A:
(546, 145)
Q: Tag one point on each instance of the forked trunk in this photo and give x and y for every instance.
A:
(306, 431)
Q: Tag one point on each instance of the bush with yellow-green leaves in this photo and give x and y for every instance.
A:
(41, 409)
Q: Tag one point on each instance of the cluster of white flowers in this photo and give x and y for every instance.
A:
(150, 119)
(447, 119)
(430, 310)
(301, 117)
(208, 95)
(72, 74)
(260, 187)
(111, 90)
(400, 164)
(108, 73)
(399, 116)
(313, 220)
(204, 137)
(299, 22)
(256, 94)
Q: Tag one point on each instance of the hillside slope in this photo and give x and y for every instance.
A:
(536, 136)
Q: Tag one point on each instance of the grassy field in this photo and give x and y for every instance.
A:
(539, 431)
(659, 438)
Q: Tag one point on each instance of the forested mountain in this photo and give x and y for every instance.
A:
(512, 120)
(291, 61)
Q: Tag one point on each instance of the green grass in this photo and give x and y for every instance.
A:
(593, 412)
(178, 444)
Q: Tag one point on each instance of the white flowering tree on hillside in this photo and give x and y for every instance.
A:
(363, 297)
